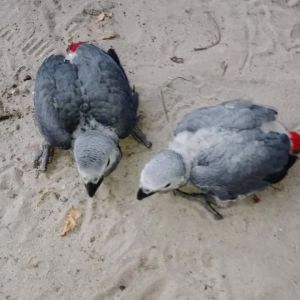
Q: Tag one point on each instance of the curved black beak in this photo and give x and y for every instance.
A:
(92, 187)
(141, 195)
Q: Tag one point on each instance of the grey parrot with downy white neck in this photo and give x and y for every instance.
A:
(227, 151)
(83, 102)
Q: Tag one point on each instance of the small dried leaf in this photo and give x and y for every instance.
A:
(92, 12)
(109, 36)
(70, 221)
(101, 16)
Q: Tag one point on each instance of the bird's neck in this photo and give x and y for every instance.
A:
(95, 128)
(187, 164)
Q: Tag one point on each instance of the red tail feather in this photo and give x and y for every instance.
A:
(73, 47)
(295, 140)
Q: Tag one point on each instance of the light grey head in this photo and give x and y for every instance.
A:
(96, 156)
(164, 172)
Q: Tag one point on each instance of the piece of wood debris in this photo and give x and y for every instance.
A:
(92, 11)
(5, 117)
(99, 13)
(218, 35)
(70, 222)
(27, 77)
(109, 35)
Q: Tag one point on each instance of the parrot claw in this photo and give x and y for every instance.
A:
(139, 136)
(43, 157)
(137, 133)
(207, 203)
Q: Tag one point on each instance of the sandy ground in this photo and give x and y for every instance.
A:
(165, 247)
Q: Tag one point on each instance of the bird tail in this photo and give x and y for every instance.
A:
(295, 141)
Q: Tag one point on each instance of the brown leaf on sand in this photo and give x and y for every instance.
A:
(109, 35)
(70, 221)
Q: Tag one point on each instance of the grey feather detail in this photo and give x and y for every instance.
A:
(232, 168)
(57, 100)
(234, 114)
(92, 87)
(105, 90)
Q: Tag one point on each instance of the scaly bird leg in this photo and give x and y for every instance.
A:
(205, 200)
(139, 136)
(43, 157)
(137, 133)
(208, 204)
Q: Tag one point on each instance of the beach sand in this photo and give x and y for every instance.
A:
(164, 247)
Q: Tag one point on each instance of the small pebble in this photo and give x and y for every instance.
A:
(27, 77)
(64, 199)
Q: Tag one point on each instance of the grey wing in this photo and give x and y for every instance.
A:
(57, 101)
(231, 170)
(106, 90)
(234, 114)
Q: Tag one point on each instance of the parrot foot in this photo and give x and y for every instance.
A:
(139, 136)
(207, 202)
(43, 157)
(255, 199)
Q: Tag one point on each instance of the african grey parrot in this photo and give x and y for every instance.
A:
(228, 152)
(84, 102)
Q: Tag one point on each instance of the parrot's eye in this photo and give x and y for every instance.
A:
(108, 162)
(167, 185)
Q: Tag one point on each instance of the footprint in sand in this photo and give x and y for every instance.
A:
(295, 32)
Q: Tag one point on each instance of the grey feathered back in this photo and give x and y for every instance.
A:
(236, 114)
(105, 90)
(94, 86)
(57, 100)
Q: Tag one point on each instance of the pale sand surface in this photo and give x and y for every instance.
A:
(165, 247)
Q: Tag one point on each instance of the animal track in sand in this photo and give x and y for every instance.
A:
(260, 36)
(207, 276)
(38, 38)
(287, 3)
(295, 32)
(203, 36)
(178, 98)
(140, 275)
